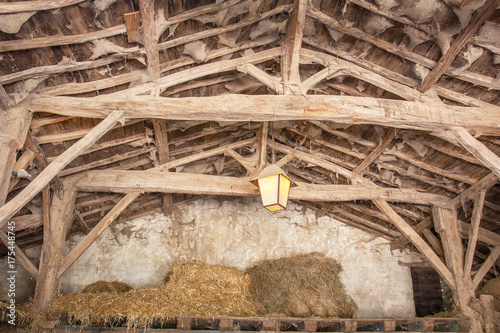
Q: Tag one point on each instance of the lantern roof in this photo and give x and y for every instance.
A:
(269, 171)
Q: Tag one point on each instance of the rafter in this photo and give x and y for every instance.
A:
(485, 267)
(384, 143)
(34, 5)
(458, 43)
(24, 44)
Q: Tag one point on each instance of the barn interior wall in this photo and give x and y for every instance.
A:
(239, 233)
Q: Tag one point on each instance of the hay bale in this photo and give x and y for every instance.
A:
(107, 287)
(306, 285)
(193, 289)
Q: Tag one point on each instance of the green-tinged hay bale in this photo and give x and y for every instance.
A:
(107, 287)
(306, 285)
(194, 289)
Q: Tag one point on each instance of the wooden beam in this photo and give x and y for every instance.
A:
(78, 250)
(485, 267)
(147, 8)
(25, 44)
(291, 47)
(8, 148)
(459, 42)
(262, 76)
(61, 216)
(384, 143)
(169, 182)
(161, 139)
(327, 73)
(7, 211)
(340, 109)
(484, 183)
(446, 225)
(34, 5)
(416, 240)
(40, 71)
(19, 255)
(475, 221)
(434, 241)
(477, 148)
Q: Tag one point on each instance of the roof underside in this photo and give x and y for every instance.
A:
(382, 49)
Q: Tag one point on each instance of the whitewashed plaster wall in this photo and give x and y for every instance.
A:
(239, 232)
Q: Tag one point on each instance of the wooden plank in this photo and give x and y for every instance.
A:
(416, 240)
(7, 211)
(291, 47)
(78, 250)
(26, 44)
(169, 182)
(477, 148)
(340, 109)
(134, 28)
(475, 221)
(150, 37)
(19, 255)
(384, 143)
(485, 267)
(480, 16)
(34, 5)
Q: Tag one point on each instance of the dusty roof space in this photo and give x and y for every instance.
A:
(385, 112)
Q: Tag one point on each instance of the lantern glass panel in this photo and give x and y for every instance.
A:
(268, 187)
(284, 189)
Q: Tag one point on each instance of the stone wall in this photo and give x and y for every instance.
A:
(240, 232)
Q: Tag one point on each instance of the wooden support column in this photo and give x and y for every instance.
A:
(8, 148)
(147, 8)
(458, 43)
(161, 139)
(291, 48)
(96, 232)
(7, 211)
(446, 224)
(61, 216)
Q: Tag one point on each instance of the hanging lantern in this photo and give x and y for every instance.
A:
(274, 187)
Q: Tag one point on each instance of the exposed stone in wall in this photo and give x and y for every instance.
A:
(239, 232)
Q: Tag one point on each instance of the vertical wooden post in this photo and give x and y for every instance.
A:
(446, 224)
(61, 216)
